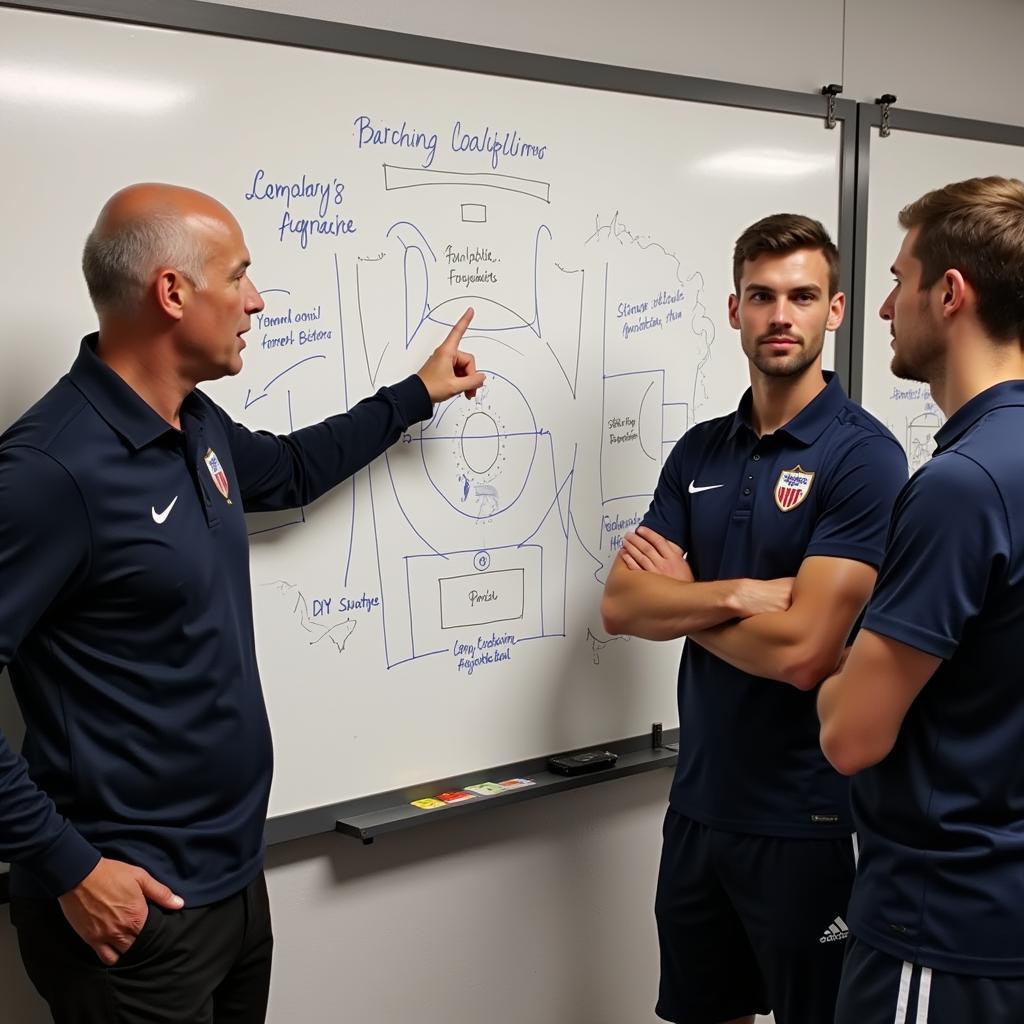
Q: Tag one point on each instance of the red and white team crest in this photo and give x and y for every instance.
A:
(792, 487)
(220, 478)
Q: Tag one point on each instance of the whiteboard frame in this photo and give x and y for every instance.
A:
(335, 37)
(869, 117)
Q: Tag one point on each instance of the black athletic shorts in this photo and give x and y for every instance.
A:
(750, 924)
(881, 989)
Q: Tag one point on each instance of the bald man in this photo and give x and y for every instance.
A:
(133, 822)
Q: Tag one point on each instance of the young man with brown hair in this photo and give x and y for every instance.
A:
(928, 709)
(781, 509)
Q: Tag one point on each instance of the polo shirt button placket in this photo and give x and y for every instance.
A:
(749, 487)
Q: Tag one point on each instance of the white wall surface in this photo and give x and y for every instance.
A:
(470, 922)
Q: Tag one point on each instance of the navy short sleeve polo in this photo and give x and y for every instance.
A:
(744, 506)
(126, 621)
(941, 819)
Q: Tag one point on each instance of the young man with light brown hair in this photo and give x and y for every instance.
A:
(927, 709)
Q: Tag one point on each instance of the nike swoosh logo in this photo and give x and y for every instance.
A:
(161, 517)
(709, 487)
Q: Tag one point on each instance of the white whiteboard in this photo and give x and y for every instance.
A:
(904, 167)
(597, 238)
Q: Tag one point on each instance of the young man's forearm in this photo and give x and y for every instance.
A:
(655, 607)
(802, 644)
(771, 646)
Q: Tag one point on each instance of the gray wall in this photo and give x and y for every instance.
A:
(937, 55)
(540, 913)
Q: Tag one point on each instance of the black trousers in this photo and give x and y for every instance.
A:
(204, 965)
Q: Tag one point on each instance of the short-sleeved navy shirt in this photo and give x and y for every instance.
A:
(126, 620)
(743, 506)
(941, 819)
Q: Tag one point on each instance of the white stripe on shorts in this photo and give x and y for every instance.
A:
(856, 849)
(904, 995)
(923, 995)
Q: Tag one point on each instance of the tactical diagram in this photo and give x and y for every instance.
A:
(492, 523)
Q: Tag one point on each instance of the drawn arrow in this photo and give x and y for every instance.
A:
(249, 400)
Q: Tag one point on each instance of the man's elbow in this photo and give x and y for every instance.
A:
(612, 618)
(850, 754)
(620, 619)
(806, 667)
(803, 677)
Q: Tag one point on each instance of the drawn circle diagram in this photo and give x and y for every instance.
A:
(481, 442)
(478, 454)
(482, 561)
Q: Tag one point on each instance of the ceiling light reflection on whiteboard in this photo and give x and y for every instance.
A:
(765, 163)
(35, 84)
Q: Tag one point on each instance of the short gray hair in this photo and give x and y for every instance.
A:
(119, 265)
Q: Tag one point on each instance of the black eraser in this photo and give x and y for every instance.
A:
(582, 762)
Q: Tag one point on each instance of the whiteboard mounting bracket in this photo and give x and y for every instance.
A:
(830, 91)
(885, 101)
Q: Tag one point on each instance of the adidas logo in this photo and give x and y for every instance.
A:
(836, 931)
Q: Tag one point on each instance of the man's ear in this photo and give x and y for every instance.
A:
(734, 312)
(170, 289)
(955, 292)
(836, 311)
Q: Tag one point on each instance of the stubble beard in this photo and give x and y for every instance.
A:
(790, 366)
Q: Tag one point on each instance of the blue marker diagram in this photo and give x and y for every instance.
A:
(493, 523)
(294, 348)
(438, 280)
(482, 470)
(657, 343)
(281, 334)
(920, 442)
(478, 500)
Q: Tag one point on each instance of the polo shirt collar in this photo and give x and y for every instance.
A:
(124, 410)
(1009, 392)
(810, 422)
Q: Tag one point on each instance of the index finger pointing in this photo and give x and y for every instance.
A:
(456, 333)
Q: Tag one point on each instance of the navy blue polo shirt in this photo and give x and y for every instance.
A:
(941, 819)
(744, 506)
(126, 621)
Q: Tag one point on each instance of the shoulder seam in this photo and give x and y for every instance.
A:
(861, 420)
(70, 417)
(859, 442)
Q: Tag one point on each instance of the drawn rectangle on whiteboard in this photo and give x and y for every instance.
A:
(633, 433)
(424, 573)
(474, 213)
(417, 177)
(482, 598)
